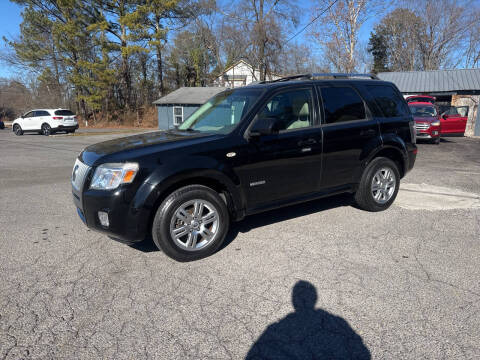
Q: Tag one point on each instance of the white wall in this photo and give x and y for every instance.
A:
(241, 69)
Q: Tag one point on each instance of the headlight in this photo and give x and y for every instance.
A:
(110, 176)
(435, 123)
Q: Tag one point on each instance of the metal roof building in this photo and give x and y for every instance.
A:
(442, 82)
(175, 107)
(189, 95)
(457, 87)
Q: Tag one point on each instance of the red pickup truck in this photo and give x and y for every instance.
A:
(427, 121)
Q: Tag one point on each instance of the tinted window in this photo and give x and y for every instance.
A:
(342, 104)
(42, 113)
(64, 112)
(29, 114)
(293, 109)
(389, 101)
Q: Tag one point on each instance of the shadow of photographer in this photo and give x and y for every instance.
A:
(308, 333)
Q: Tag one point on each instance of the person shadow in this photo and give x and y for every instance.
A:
(308, 333)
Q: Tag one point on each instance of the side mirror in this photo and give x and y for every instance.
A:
(265, 126)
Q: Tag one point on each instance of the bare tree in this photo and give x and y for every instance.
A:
(338, 29)
(263, 24)
(472, 51)
(445, 26)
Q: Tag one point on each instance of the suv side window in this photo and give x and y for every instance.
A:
(292, 107)
(389, 101)
(29, 114)
(342, 104)
(41, 113)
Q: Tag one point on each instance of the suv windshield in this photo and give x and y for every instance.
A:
(222, 113)
(423, 111)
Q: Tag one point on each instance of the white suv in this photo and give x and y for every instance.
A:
(46, 122)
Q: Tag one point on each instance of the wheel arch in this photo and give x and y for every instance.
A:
(212, 179)
(393, 153)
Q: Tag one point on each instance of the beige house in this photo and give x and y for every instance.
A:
(240, 74)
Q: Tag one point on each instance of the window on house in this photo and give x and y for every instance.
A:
(177, 115)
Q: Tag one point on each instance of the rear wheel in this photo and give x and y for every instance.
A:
(17, 130)
(46, 129)
(379, 185)
(191, 223)
(70, 131)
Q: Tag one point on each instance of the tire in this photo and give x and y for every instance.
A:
(46, 129)
(2, 125)
(374, 172)
(71, 132)
(177, 213)
(17, 130)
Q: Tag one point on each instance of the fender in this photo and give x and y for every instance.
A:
(393, 143)
(373, 146)
(165, 177)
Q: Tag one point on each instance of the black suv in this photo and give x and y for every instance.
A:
(245, 151)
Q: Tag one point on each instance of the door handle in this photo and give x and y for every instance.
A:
(307, 142)
(367, 133)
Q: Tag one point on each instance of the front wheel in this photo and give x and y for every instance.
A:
(46, 129)
(191, 223)
(17, 130)
(379, 185)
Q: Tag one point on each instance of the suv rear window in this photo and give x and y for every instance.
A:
(342, 104)
(64, 112)
(389, 101)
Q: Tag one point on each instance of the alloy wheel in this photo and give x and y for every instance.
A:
(194, 225)
(383, 185)
(46, 129)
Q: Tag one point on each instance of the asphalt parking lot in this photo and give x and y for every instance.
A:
(319, 280)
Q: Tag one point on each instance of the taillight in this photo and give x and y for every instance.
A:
(57, 117)
(413, 131)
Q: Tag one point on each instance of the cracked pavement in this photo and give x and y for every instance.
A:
(403, 283)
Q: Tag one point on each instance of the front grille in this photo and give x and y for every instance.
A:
(422, 126)
(79, 173)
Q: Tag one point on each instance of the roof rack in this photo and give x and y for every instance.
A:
(316, 75)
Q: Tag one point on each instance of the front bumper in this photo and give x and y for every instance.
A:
(128, 219)
(427, 131)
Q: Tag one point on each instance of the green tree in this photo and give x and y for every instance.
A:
(378, 47)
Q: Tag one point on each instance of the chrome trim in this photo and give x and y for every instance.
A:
(79, 173)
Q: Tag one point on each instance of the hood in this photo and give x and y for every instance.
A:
(139, 145)
(425, 119)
